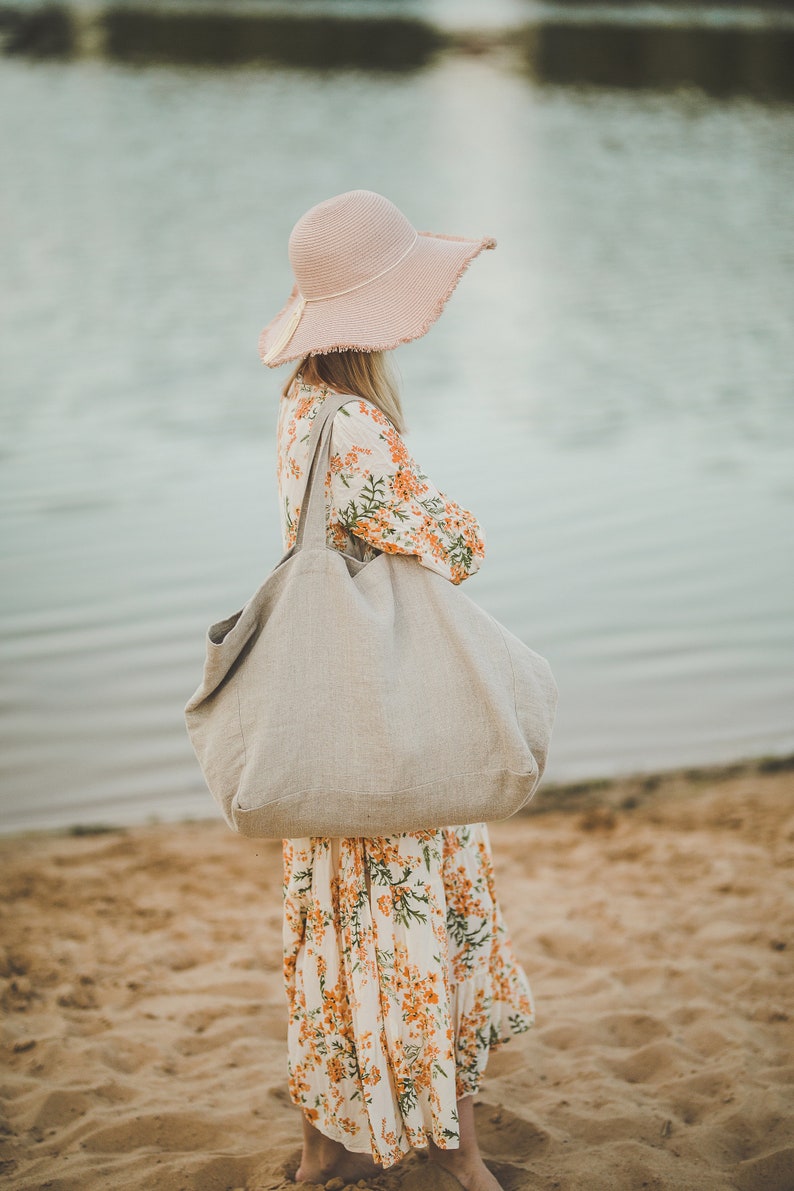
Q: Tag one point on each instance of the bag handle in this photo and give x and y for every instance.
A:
(311, 520)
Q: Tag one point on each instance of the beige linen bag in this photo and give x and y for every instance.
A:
(363, 699)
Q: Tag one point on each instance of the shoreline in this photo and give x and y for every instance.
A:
(623, 792)
(628, 791)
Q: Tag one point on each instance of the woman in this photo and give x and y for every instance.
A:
(400, 977)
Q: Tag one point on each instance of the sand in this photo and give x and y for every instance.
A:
(144, 1020)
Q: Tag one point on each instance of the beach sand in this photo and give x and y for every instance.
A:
(144, 1019)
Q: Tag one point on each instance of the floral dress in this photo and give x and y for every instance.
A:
(399, 973)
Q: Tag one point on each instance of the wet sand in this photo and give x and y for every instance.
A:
(144, 1019)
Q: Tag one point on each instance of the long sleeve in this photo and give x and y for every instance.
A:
(380, 494)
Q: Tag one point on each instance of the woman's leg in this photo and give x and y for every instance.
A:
(318, 1157)
(465, 1163)
(322, 1159)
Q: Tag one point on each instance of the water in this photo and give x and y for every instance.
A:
(610, 391)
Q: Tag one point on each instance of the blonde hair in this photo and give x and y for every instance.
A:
(362, 374)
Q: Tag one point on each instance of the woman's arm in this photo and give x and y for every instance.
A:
(380, 494)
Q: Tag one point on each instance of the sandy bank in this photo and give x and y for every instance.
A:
(143, 1040)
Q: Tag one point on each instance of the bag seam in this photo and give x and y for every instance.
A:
(307, 791)
(512, 671)
(240, 718)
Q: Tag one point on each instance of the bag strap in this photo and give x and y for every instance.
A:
(311, 522)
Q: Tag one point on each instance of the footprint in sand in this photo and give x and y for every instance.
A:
(504, 1136)
(60, 1109)
(629, 1029)
(773, 1172)
(166, 1131)
(652, 1063)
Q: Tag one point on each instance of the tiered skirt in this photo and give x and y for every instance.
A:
(400, 980)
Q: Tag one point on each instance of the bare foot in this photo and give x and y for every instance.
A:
(471, 1173)
(357, 1166)
(466, 1164)
(350, 1167)
(323, 1159)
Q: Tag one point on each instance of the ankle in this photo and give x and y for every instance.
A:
(319, 1157)
(462, 1155)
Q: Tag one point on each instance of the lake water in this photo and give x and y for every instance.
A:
(610, 391)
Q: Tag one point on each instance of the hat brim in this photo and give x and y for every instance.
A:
(396, 308)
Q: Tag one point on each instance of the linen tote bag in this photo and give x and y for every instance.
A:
(353, 698)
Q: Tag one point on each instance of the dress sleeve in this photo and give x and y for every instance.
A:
(380, 494)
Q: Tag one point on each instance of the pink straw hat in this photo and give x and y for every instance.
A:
(365, 279)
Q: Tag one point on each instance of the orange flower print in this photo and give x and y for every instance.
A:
(397, 1010)
(377, 497)
(405, 484)
(399, 972)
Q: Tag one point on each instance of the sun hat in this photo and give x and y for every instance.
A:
(365, 279)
